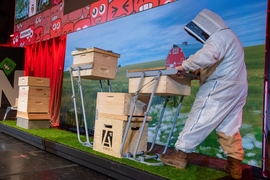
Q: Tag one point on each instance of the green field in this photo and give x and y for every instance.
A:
(251, 129)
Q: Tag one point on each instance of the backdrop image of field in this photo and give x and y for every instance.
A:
(251, 129)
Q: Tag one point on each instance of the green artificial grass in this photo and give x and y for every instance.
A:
(70, 139)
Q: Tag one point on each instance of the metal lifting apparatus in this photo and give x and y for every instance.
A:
(156, 76)
(78, 69)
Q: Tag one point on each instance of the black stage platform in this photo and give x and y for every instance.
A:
(83, 163)
(19, 160)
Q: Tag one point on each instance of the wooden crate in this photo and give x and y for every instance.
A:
(104, 63)
(32, 124)
(119, 104)
(33, 105)
(33, 92)
(34, 81)
(167, 85)
(34, 116)
(108, 136)
(34, 99)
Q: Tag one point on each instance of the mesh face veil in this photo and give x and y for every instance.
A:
(195, 31)
(205, 24)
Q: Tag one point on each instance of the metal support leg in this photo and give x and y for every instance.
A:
(87, 143)
(143, 156)
(100, 85)
(146, 113)
(174, 122)
(159, 123)
(75, 106)
(7, 110)
(173, 125)
(109, 85)
(135, 98)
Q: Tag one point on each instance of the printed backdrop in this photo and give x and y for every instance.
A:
(143, 33)
(145, 39)
(49, 20)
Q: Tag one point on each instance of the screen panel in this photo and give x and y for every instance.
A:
(70, 5)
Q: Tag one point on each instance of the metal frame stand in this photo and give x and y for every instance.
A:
(78, 69)
(141, 157)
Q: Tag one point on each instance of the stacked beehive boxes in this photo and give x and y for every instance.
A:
(112, 113)
(33, 102)
(104, 63)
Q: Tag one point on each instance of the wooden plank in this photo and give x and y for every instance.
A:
(148, 69)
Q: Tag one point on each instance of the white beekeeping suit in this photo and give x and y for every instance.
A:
(222, 95)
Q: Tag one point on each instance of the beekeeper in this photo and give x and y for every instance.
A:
(222, 94)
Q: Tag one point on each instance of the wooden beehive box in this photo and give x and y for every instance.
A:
(33, 92)
(109, 132)
(34, 99)
(34, 81)
(118, 104)
(33, 102)
(33, 105)
(167, 85)
(104, 63)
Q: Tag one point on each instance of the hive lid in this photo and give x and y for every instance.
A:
(80, 50)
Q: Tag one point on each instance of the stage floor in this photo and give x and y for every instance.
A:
(29, 157)
(19, 160)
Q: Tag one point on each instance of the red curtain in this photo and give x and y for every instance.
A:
(46, 59)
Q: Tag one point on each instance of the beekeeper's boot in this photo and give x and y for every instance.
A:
(176, 159)
(234, 168)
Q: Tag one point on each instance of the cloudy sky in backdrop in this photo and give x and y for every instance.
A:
(149, 35)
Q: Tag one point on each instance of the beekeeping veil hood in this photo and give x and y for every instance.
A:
(206, 22)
